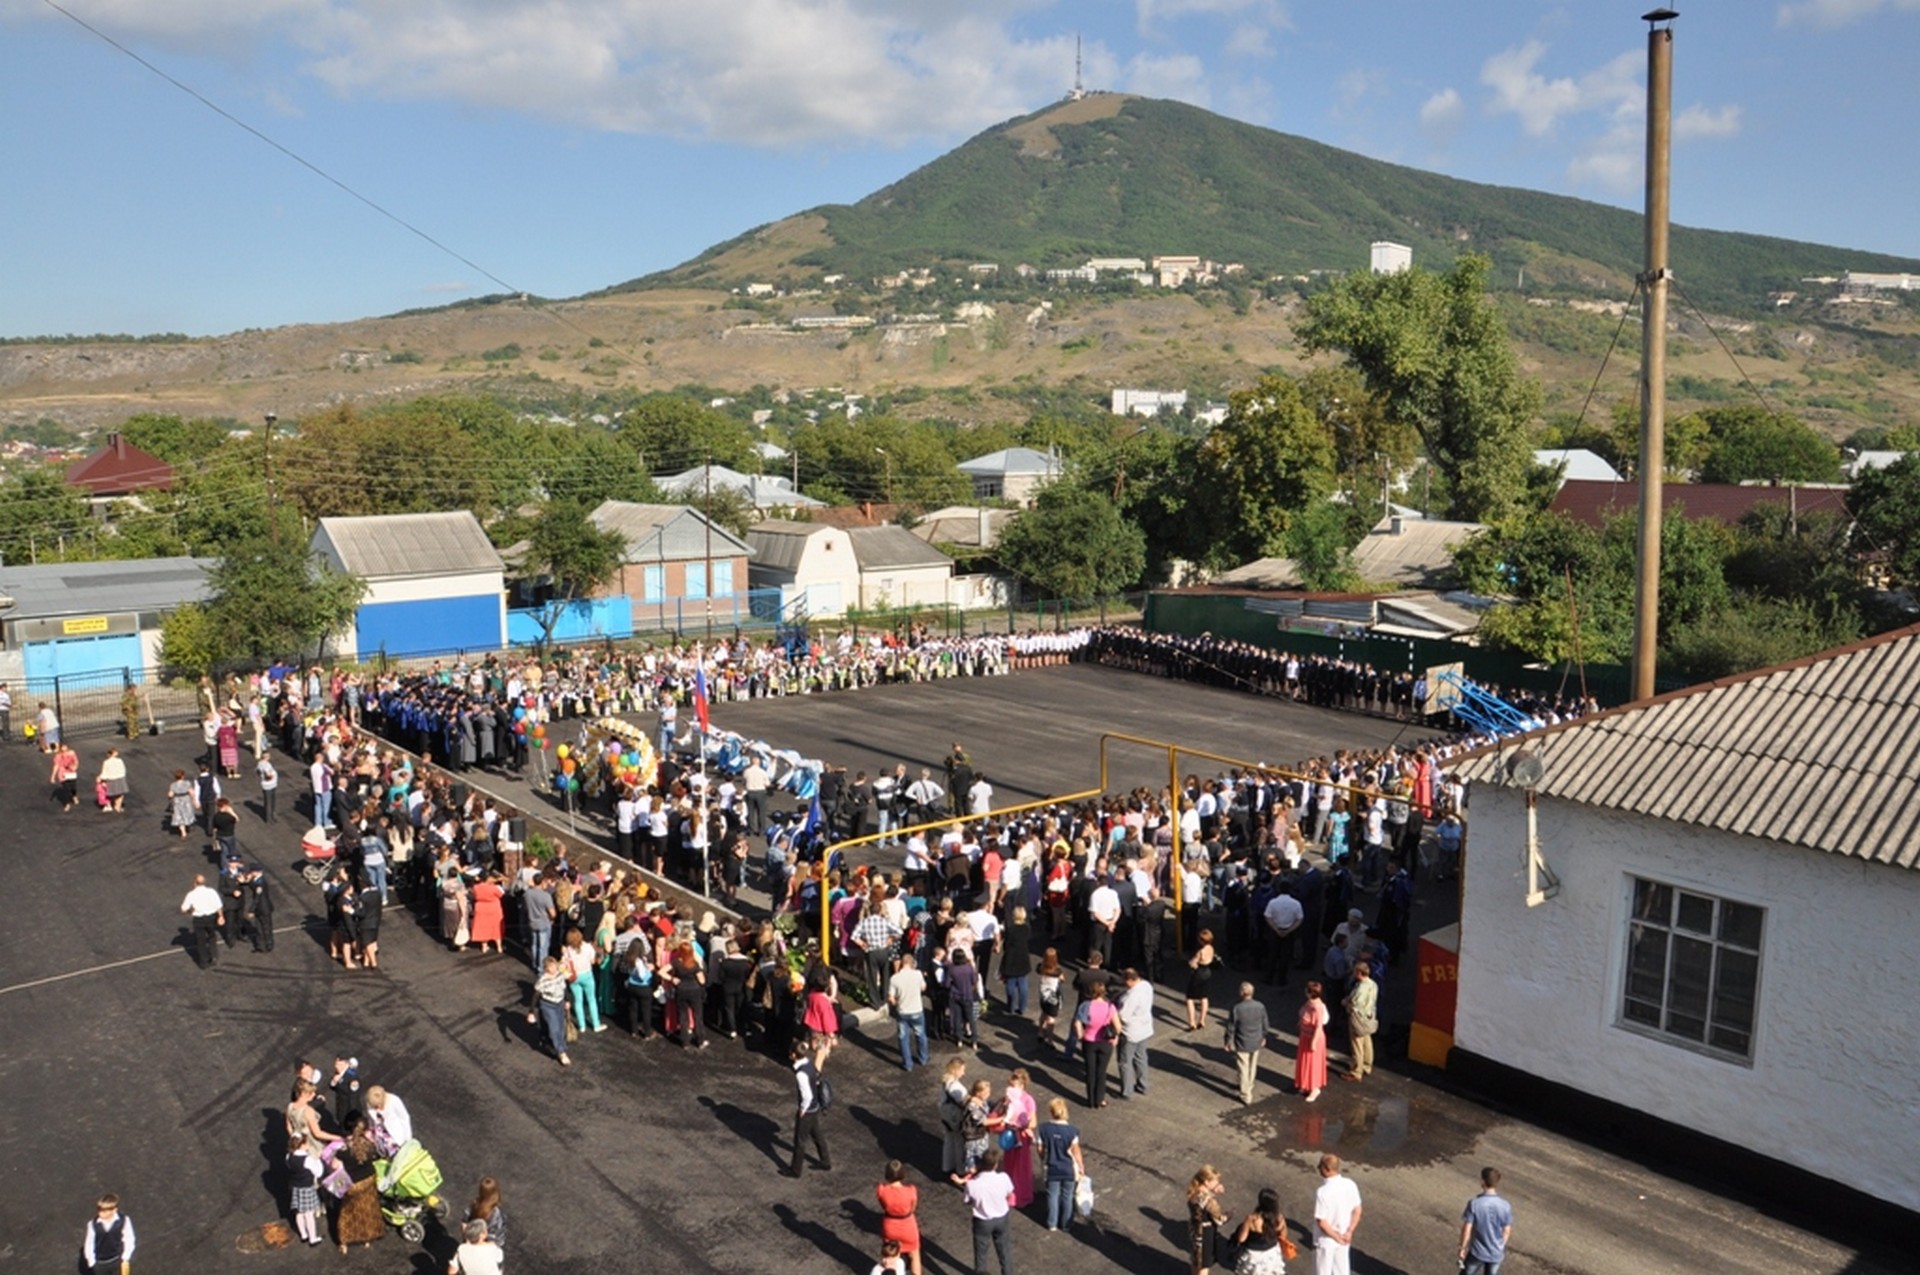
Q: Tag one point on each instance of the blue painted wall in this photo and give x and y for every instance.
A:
(71, 657)
(580, 621)
(437, 624)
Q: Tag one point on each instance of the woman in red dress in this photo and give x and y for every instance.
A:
(898, 1200)
(489, 915)
(1310, 1063)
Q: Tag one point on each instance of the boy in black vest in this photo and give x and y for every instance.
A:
(108, 1246)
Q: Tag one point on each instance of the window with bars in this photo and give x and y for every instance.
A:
(1693, 967)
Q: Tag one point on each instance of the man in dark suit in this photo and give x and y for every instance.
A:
(257, 900)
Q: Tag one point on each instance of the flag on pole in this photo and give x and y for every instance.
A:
(812, 824)
(700, 694)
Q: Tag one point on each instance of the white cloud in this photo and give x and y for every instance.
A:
(1180, 76)
(1698, 123)
(760, 72)
(1539, 103)
(1360, 83)
(1838, 13)
(1271, 15)
(1442, 115)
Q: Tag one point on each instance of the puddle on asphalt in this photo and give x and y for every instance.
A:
(1383, 1129)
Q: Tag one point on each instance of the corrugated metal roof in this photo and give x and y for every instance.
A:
(664, 533)
(889, 548)
(1420, 551)
(391, 546)
(87, 588)
(1009, 461)
(1822, 753)
(1594, 502)
(762, 491)
(779, 545)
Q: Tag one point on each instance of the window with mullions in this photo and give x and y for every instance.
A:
(1693, 967)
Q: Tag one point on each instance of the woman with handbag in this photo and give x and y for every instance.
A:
(1362, 1004)
(1094, 1027)
(1262, 1237)
(1205, 1217)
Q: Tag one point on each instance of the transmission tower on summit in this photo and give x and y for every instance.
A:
(1079, 88)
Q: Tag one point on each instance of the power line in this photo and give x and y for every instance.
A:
(310, 166)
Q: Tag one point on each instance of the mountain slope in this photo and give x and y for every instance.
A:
(1117, 175)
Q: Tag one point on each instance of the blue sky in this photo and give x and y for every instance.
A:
(564, 145)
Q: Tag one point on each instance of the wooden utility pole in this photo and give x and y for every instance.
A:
(1653, 352)
(273, 510)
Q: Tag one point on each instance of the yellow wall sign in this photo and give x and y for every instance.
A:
(84, 624)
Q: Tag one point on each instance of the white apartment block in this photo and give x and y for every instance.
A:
(1147, 402)
(1390, 258)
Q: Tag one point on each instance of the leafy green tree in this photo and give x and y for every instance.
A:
(1369, 445)
(1073, 544)
(37, 511)
(595, 467)
(1151, 476)
(174, 439)
(345, 462)
(1270, 458)
(879, 458)
(1320, 544)
(1434, 350)
(1886, 510)
(273, 598)
(673, 433)
(189, 644)
(1748, 444)
(1752, 632)
(573, 559)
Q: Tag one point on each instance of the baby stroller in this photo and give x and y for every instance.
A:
(317, 847)
(408, 1184)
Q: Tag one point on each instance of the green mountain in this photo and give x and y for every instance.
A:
(1112, 175)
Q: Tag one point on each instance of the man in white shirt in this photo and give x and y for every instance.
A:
(980, 796)
(906, 996)
(1336, 1216)
(924, 794)
(756, 781)
(1103, 912)
(203, 905)
(1136, 1028)
(1283, 917)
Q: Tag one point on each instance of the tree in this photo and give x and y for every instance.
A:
(1319, 542)
(1369, 444)
(878, 458)
(1435, 352)
(1072, 544)
(1150, 476)
(174, 439)
(575, 557)
(674, 433)
(1271, 458)
(272, 599)
(1748, 444)
(37, 512)
(410, 460)
(1886, 511)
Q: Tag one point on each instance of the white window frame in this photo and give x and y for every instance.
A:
(1718, 944)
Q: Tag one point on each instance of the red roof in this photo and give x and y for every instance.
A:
(1593, 501)
(120, 468)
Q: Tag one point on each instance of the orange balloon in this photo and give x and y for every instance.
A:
(566, 766)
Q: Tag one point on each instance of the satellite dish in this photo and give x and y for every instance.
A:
(1526, 769)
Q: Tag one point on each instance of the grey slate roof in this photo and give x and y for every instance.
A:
(1011, 460)
(779, 545)
(1821, 753)
(88, 588)
(762, 491)
(670, 533)
(393, 546)
(1419, 554)
(893, 548)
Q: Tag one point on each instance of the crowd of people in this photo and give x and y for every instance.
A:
(1059, 924)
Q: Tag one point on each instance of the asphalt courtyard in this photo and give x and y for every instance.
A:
(125, 1068)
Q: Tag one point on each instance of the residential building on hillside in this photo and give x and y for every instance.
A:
(1128, 402)
(1013, 473)
(118, 470)
(1871, 281)
(1389, 258)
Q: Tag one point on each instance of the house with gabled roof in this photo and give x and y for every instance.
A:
(1691, 920)
(435, 583)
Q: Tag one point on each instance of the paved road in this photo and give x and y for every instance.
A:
(126, 1069)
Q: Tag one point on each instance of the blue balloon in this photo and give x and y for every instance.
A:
(520, 713)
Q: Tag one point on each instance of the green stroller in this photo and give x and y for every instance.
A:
(409, 1183)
